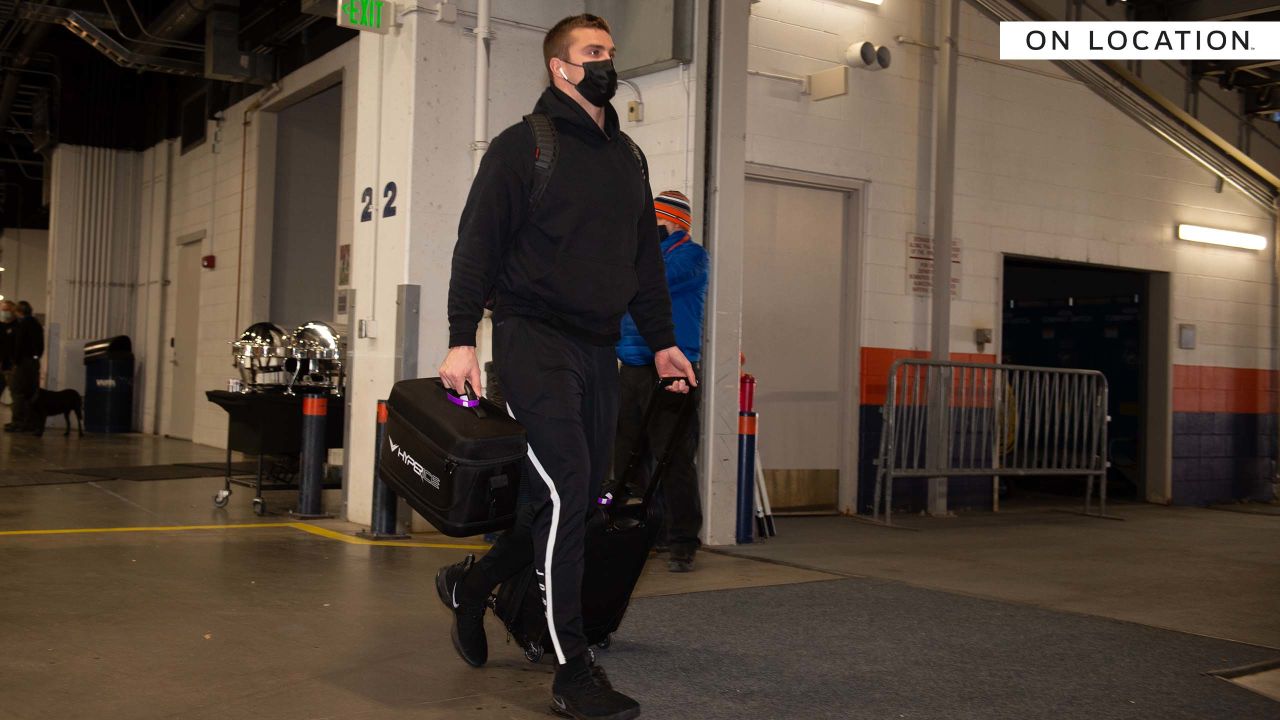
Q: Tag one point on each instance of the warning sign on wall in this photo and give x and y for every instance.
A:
(920, 265)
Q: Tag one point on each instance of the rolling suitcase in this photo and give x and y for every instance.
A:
(619, 537)
(456, 460)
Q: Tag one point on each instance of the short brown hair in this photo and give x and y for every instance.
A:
(556, 42)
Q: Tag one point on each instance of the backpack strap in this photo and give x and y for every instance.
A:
(546, 147)
(635, 151)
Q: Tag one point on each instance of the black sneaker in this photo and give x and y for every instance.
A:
(680, 565)
(576, 693)
(598, 674)
(468, 619)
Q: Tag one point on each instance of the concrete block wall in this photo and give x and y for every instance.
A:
(666, 134)
(206, 197)
(1044, 169)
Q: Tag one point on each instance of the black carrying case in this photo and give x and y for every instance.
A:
(458, 467)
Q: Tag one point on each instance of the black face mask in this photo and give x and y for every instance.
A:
(663, 233)
(599, 82)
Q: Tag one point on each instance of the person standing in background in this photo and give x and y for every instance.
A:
(686, 270)
(28, 348)
(8, 322)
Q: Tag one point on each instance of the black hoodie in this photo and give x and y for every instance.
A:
(589, 252)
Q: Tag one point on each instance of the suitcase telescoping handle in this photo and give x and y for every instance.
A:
(677, 434)
(470, 399)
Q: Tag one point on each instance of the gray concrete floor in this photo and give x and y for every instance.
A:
(55, 452)
(302, 622)
(248, 621)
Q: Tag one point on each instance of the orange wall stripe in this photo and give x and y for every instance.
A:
(1204, 388)
(877, 361)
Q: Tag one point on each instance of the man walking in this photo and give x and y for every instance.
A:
(562, 258)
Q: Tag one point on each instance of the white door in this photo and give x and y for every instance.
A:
(182, 399)
(793, 323)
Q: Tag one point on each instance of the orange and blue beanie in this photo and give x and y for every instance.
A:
(673, 206)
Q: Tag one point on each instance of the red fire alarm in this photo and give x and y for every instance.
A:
(208, 261)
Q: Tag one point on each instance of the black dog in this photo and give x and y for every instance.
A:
(48, 403)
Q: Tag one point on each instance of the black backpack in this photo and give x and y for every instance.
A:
(547, 146)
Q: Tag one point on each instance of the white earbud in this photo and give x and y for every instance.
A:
(566, 77)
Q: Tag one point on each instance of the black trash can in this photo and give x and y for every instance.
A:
(108, 385)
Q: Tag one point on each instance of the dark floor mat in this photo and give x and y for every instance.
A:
(1255, 508)
(40, 477)
(875, 649)
(145, 472)
(244, 467)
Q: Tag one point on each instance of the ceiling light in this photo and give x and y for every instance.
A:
(1215, 236)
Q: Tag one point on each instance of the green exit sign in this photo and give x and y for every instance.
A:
(368, 15)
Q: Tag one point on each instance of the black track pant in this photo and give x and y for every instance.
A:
(565, 393)
(682, 503)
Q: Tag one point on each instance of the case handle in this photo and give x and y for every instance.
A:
(470, 399)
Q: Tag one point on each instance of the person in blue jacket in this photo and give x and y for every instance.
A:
(686, 268)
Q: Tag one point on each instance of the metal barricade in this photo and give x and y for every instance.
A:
(956, 419)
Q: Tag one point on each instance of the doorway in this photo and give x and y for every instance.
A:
(1066, 315)
(799, 314)
(186, 335)
(305, 221)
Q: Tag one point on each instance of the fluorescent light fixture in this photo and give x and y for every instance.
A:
(1215, 236)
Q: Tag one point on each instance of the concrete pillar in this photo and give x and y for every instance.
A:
(725, 189)
(943, 225)
(384, 166)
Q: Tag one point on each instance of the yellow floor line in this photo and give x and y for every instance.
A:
(353, 540)
(304, 527)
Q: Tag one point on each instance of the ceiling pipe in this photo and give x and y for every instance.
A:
(30, 44)
(180, 18)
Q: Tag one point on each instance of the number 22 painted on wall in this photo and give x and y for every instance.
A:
(388, 210)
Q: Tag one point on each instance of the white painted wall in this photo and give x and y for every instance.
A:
(24, 254)
(153, 326)
(94, 219)
(1044, 168)
(205, 196)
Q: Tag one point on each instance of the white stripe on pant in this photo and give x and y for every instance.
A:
(551, 546)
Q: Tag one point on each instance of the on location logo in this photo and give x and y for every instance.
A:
(1139, 40)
